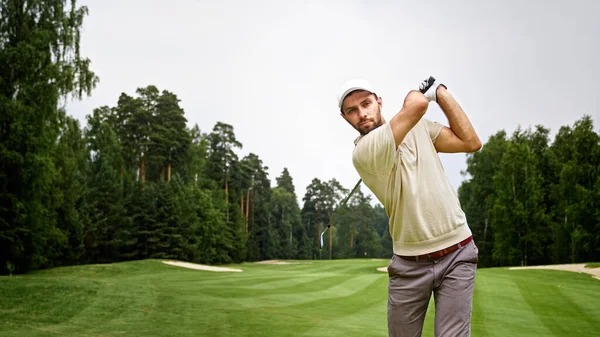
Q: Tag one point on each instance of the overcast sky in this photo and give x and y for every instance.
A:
(272, 68)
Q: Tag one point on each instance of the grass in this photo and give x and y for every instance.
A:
(593, 265)
(324, 298)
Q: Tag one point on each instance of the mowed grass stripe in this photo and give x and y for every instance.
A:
(331, 298)
(115, 307)
(288, 287)
(271, 281)
(345, 286)
(498, 307)
(308, 318)
(479, 322)
(551, 303)
(104, 305)
(282, 283)
(348, 267)
(584, 291)
(503, 307)
(42, 301)
(292, 316)
(360, 314)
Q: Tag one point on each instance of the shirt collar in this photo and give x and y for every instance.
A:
(357, 139)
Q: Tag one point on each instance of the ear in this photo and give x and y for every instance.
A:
(344, 116)
(380, 101)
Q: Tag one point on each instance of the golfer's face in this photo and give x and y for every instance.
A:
(362, 111)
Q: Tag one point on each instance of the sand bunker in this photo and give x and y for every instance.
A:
(383, 269)
(276, 262)
(577, 268)
(201, 266)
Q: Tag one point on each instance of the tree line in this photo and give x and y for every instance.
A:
(531, 201)
(137, 182)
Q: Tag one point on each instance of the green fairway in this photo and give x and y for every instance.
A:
(318, 298)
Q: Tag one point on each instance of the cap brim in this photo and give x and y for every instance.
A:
(348, 92)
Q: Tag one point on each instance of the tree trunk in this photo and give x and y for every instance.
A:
(227, 198)
(352, 236)
(318, 236)
(242, 202)
(330, 239)
(525, 253)
(573, 244)
(247, 208)
(169, 169)
(143, 171)
(513, 187)
(487, 218)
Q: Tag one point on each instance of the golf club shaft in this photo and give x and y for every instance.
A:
(342, 204)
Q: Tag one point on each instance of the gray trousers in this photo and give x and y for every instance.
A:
(451, 279)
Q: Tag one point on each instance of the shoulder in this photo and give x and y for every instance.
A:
(432, 128)
(381, 133)
(375, 151)
(378, 138)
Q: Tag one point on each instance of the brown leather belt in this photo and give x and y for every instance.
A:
(440, 253)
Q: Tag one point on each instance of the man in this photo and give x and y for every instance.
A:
(432, 243)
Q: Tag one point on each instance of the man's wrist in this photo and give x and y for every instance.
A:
(441, 92)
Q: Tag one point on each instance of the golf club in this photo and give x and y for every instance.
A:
(342, 204)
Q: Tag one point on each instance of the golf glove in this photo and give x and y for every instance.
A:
(429, 88)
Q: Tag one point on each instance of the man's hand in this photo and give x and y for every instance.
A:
(429, 88)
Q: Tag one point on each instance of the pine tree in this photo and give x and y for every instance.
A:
(69, 191)
(40, 64)
(105, 204)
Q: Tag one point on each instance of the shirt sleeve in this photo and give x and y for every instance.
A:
(433, 128)
(375, 153)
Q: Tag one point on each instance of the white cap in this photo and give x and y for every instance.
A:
(352, 85)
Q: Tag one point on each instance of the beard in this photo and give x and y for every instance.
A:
(371, 123)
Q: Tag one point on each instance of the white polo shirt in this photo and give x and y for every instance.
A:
(424, 212)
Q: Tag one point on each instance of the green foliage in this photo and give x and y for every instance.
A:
(137, 182)
(530, 201)
(69, 190)
(105, 205)
(40, 63)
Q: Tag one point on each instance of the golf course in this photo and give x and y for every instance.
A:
(243, 169)
(291, 298)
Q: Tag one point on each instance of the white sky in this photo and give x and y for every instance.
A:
(272, 68)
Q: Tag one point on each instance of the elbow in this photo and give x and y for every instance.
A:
(475, 145)
(421, 106)
(418, 102)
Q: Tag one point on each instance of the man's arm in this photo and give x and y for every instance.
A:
(414, 107)
(460, 136)
(375, 153)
